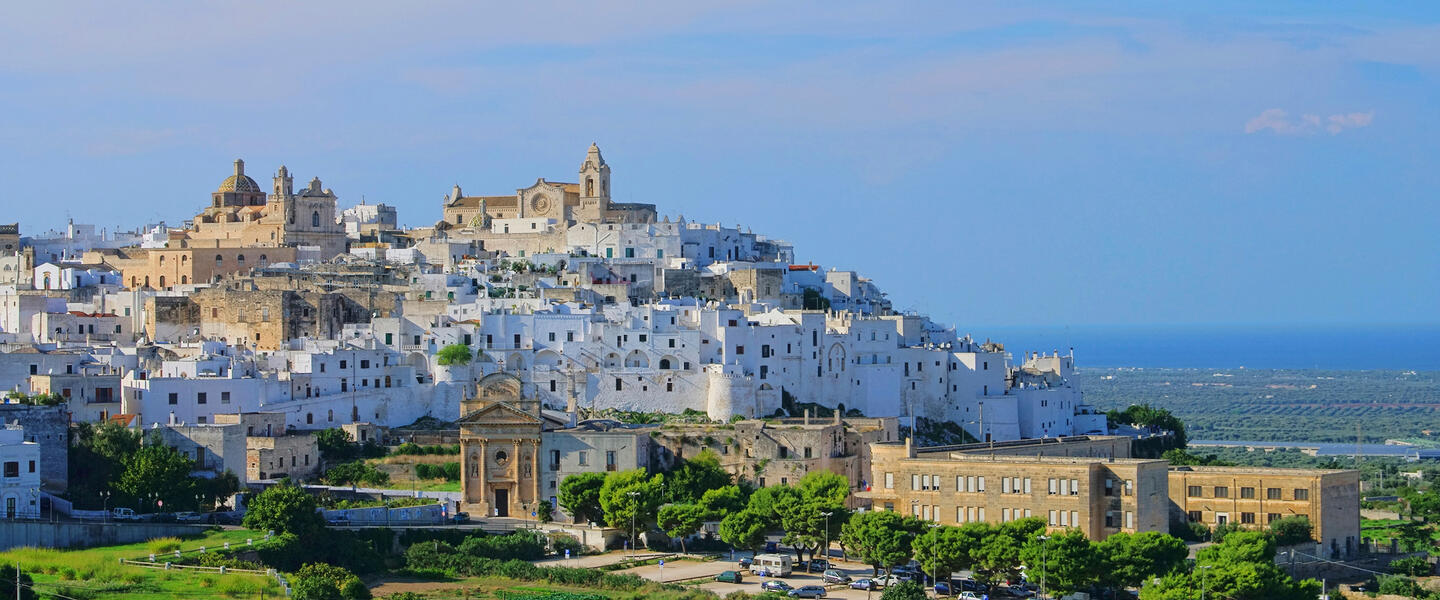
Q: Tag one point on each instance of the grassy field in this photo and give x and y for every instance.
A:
(97, 573)
(401, 468)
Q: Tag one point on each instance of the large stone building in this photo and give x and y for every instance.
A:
(1088, 483)
(240, 214)
(1255, 497)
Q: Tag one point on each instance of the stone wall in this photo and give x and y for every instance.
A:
(17, 534)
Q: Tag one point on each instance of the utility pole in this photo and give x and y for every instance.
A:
(634, 510)
(827, 536)
(1203, 582)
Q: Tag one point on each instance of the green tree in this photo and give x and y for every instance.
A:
(878, 538)
(621, 508)
(693, 477)
(284, 508)
(98, 454)
(454, 354)
(580, 495)
(942, 551)
(220, 487)
(1241, 567)
(335, 444)
(1149, 416)
(744, 530)
(1426, 505)
(1414, 566)
(720, 502)
(157, 468)
(1399, 586)
(681, 520)
(996, 559)
(1065, 561)
(1129, 560)
(545, 512)
(1292, 530)
(767, 501)
(905, 590)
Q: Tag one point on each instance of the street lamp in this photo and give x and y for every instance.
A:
(935, 557)
(634, 510)
(827, 535)
(1203, 581)
(105, 504)
(1044, 548)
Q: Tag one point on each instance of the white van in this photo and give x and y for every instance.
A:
(774, 565)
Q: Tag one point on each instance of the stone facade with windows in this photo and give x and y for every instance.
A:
(1254, 497)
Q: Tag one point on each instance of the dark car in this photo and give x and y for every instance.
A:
(746, 562)
(340, 520)
(943, 589)
(775, 585)
(808, 591)
(729, 577)
(970, 585)
(771, 547)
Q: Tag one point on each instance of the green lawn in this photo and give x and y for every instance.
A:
(97, 572)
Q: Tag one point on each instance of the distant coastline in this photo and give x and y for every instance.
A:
(1341, 348)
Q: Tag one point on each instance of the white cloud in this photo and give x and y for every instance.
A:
(1279, 121)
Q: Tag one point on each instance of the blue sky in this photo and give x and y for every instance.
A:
(991, 164)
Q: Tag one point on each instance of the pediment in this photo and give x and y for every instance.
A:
(499, 413)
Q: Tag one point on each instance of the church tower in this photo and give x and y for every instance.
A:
(284, 183)
(594, 185)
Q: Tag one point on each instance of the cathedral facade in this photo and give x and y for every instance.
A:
(241, 214)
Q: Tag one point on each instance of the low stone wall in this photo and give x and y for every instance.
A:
(16, 534)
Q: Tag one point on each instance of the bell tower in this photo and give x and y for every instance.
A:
(284, 183)
(594, 186)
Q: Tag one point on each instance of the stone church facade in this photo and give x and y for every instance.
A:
(500, 449)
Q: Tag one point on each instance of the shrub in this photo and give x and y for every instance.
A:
(1414, 566)
(356, 473)
(560, 542)
(322, 578)
(163, 545)
(1292, 530)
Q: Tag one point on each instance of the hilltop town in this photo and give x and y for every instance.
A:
(547, 334)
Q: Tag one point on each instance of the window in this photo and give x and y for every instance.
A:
(889, 481)
(1272, 517)
(554, 460)
(1272, 493)
(364, 364)
(1247, 518)
(174, 398)
(1194, 491)
(739, 349)
(12, 469)
(200, 398)
(980, 487)
(1247, 492)
(609, 460)
(584, 458)
(342, 363)
(1193, 516)
(1302, 494)
(1222, 491)
(32, 463)
(618, 384)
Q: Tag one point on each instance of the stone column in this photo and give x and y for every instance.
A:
(483, 498)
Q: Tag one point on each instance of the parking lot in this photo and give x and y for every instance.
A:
(705, 572)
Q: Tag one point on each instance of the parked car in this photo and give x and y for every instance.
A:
(808, 591)
(123, 514)
(188, 517)
(969, 596)
(460, 518)
(970, 585)
(943, 589)
(833, 576)
(884, 581)
(1020, 591)
(729, 577)
(340, 520)
(745, 562)
(818, 565)
(862, 584)
(775, 585)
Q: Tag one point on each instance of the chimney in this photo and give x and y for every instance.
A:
(807, 416)
(909, 447)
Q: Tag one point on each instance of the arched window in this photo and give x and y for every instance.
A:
(589, 186)
(184, 259)
(184, 279)
(240, 260)
(219, 260)
(162, 281)
(315, 219)
(264, 260)
(162, 260)
(665, 363)
(332, 414)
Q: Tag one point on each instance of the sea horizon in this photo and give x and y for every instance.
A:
(1231, 346)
